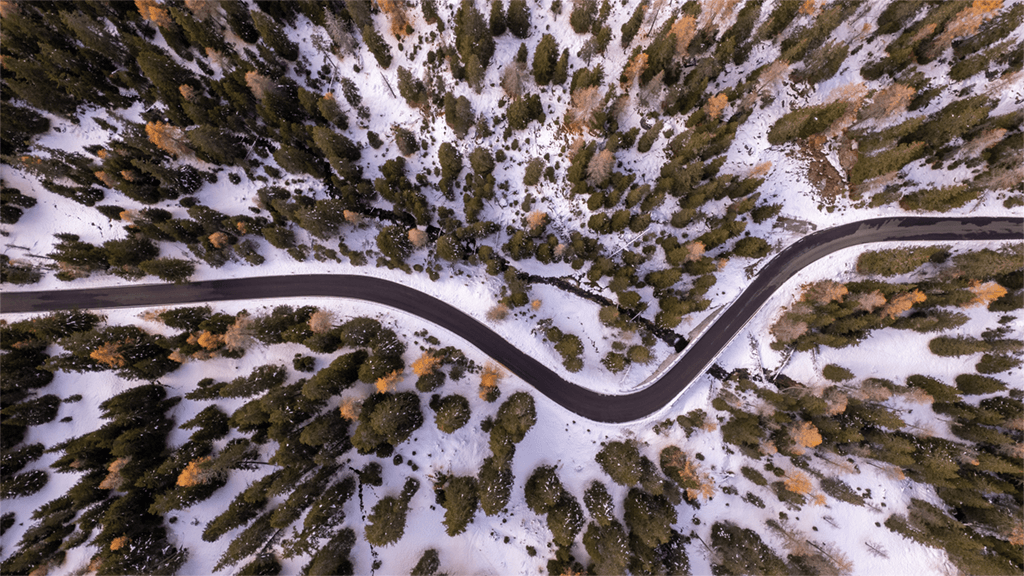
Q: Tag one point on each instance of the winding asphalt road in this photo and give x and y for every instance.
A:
(600, 407)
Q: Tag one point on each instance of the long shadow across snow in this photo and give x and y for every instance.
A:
(600, 407)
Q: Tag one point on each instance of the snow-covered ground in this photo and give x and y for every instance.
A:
(560, 438)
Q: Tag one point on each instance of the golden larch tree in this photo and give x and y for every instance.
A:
(114, 479)
(634, 69)
(798, 482)
(109, 354)
(490, 377)
(105, 178)
(388, 382)
(966, 23)
(168, 138)
(187, 92)
(352, 217)
(349, 409)
(196, 473)
(985, 293)
(396, 16)
(219, 239)
(154, 12)
(691, 473)
(694, 251)
(806, 435)
(426, 364)
(209, 340)
(536, 218)
(684, 29)
(119, 542)
(535, 304)
(809, 7)
(716, 104)
(902, 303)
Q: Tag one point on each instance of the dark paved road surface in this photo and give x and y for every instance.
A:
(600, 407)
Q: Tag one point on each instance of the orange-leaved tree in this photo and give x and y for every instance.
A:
(388, 382)
(426, 364)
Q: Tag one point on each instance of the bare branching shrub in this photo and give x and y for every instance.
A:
(868, 301)
(513, 79)
(239, 335)
(202, 9)
(417, 237)
(585, 103)
(823, 291)
(321, 321)
(259, 84)
(536, 218)
(761, 170)
(497, 313)
(217, 58)
(892, 100)
(600, 167)
(788, 329)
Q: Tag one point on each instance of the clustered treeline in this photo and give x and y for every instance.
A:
(132, 481)
(63, 59)
(242, 107)
(830, 313)
(801, 439)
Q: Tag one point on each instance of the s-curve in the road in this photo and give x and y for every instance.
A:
(586, 403)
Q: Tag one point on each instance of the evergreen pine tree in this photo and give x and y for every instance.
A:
(273, 36)
(460, 502)
(377, 45)
(518, 18)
